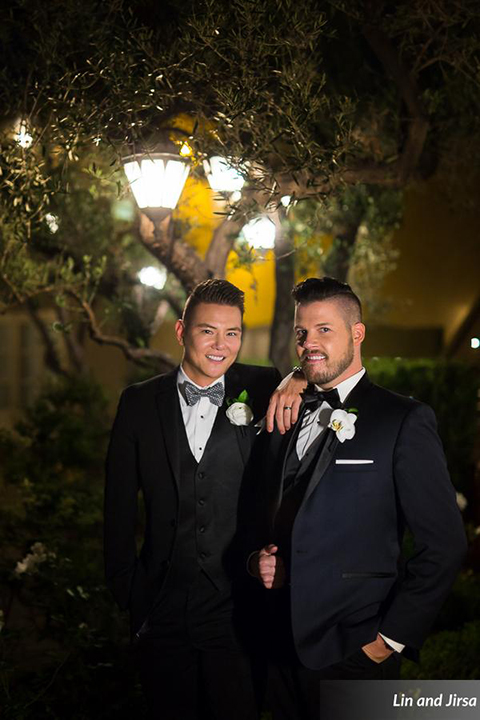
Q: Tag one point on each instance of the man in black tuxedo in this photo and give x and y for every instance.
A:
(361, 465)
(179, 440)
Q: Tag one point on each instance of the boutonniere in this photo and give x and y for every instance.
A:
(239, 411)
(342, 422)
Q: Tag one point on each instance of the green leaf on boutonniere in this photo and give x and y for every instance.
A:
(242, 398)
(353, 410)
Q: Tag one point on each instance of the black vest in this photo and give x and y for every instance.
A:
(296, 479)
(208, 506)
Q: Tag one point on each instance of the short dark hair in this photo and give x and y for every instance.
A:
(214, 292)
(327, 288)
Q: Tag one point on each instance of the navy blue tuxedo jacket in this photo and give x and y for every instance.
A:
(348, 580)
(143, 457)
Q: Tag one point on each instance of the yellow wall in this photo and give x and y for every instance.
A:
(437, 279)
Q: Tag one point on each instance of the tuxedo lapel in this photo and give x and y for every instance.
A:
(168, 407)
(233, 388)
(355, 397)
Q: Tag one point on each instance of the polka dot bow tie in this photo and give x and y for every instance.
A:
(215, 393)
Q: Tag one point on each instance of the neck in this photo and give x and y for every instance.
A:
(348, 373)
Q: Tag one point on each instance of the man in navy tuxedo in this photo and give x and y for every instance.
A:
(360, 466)
(180, 440)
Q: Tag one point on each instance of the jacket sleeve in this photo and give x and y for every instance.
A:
(121, 504)
(426, 499)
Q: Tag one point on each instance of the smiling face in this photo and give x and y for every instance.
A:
(327, 342)
(211, 339)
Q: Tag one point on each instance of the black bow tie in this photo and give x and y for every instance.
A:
(215, 393)
(314, 398)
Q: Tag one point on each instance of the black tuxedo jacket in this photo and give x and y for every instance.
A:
(347, 578)
(143, 455)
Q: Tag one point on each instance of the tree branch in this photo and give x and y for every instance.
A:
(178, 257)
(74, 349)
(141, 356)
(51, 356)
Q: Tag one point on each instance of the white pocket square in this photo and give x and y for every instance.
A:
(354, 462)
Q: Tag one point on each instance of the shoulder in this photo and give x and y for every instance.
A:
(148, 388)
(259, 381)
(257, 374)
(403, 407)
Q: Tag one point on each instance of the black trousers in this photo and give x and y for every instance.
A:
(192, 666)
(295, 692)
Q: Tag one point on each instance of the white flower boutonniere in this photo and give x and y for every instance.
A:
(343, 423)
(239, 411)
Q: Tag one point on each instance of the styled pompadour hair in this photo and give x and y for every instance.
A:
(214, 292)
(327, 288)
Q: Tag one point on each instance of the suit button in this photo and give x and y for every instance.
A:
(201, 501)
(201, 474)
(202, 529)
(173, 522)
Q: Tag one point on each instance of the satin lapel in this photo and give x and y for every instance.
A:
(233, 388)
(356, 397)
(168, 407)
(323, 462)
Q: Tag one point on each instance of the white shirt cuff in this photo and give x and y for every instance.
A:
(398, 647)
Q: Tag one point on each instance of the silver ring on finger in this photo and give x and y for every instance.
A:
(287, 407)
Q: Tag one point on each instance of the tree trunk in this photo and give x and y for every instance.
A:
(178, 257)
(337, 263)
(281, 329)
(220, 246)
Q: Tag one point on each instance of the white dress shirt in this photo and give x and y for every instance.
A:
(198, 418)
(314, 422)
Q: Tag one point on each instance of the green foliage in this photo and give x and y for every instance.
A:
(62, 633)
(450, 388)
(463, 603)
(448, 655)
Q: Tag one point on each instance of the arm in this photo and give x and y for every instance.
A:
(285, 402)
(121, 498)
(426, 499)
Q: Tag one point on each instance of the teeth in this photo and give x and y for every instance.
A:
(316, 357)
(216, 357)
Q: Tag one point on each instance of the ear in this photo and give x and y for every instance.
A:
(180, 331)
(358, 333)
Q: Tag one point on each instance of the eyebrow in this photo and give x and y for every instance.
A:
(215, 327)
(320, 324)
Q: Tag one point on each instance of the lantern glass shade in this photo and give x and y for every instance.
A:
(221, 176)
(157, 181)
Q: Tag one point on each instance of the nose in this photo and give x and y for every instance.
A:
(219, 342)
(309, 342)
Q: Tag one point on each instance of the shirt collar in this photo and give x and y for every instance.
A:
(346, 386)
(182, 377)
